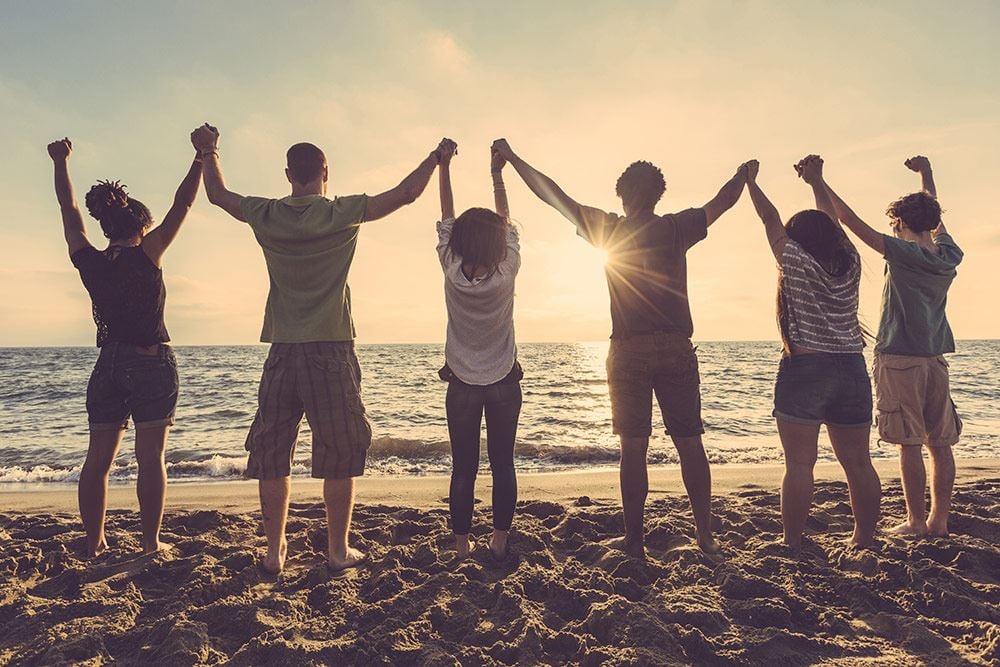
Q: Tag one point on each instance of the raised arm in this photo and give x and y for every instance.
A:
(547, 190)
(72, 220)
(810, 169)
(868, 235)
(727, 196)
(408, 189)
(158, 240)
(446, 152)
(922, 166)
(206, 142)
(776, 236)
(499, 191)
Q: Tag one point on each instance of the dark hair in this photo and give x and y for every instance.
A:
(305, 162)
(479, 238)
(918, 211)
(641, 185)
(826, 242)
(121, 216)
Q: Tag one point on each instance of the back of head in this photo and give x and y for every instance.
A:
(822, 238)
(305, 163)
(640, 186)
(121, 216)
(479, 238)
(918, 211)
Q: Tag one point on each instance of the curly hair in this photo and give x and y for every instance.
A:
(918, 211)
(479, 238)
(121, 216)
(641, 185)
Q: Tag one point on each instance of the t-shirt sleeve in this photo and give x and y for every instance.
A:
(513, 258)
(691, 226)
(949, 249)
(902, 253)
(254, 209)
(444, 228)
(349, 210)
(596, 226)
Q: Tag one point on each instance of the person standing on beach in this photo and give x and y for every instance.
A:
(651, 350)
(136, 371)
(311, 369)
(480, 257)
(913, 396)
(822, 377)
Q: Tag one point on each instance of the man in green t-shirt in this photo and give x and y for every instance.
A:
(913, 396)
(311, 369)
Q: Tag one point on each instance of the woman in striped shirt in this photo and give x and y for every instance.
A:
(822, 377)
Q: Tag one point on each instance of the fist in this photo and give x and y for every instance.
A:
(919, 164)
(205, 138)
(501, 147)
(60, 150)
(750, 169)
(810, 168)
(446, 150)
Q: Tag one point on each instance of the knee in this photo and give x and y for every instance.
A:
(634, 448)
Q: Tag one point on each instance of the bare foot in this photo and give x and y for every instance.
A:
(709, 545)
(351, 558)
(274, 561)
(937, 529)
(855, 542)
(907, 529)
(152, 548)
(94, 552)
(498, 544)
(633, 548)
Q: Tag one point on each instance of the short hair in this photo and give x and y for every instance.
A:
(121, 216)
(641, 185)
(918, 211)
(305, 162)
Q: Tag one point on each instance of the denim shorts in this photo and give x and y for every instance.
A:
(824, 388)
(129, 380)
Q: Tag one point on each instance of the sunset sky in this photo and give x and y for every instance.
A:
(580, 89)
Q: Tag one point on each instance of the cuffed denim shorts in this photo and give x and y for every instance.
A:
(824, 388)
(130, 380)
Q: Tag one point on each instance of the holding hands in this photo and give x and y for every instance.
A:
(749, 170)
(61, 149)
(446, 150)
(810, 169)
(205, 139)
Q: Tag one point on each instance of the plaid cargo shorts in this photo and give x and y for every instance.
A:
(323, 382)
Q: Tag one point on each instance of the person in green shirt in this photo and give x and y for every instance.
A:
(308, 241)
(913, 396)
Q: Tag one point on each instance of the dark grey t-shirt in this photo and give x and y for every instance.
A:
(914, 298)
(647, 268)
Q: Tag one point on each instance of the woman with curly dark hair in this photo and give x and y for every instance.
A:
(136, 372)
(822, 377)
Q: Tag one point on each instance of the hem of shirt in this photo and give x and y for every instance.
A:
(481, 384)
(264, 339)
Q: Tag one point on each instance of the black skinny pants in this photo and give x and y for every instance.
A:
(465, 406)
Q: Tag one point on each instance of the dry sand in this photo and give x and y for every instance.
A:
(562, 598)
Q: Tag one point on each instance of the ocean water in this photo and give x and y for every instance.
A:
(565, 421)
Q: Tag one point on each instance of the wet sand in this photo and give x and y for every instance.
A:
(563, 597)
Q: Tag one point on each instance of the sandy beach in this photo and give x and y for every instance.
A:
(562, 598)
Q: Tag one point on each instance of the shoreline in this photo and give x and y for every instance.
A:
(430, 491)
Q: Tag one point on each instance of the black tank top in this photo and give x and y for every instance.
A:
(127, 293)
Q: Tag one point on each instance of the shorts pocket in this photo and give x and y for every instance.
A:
(892, 424)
